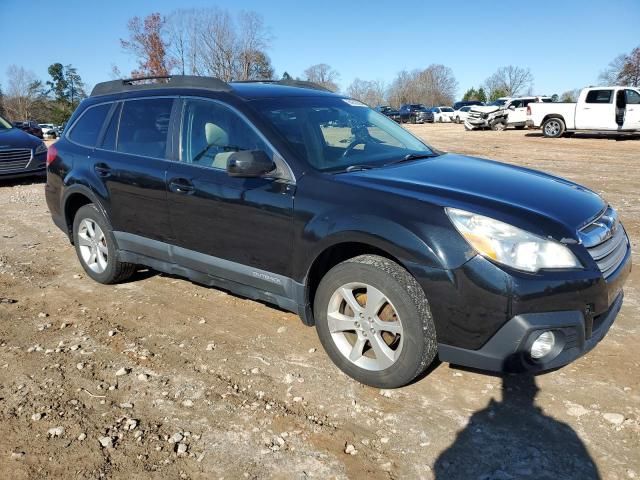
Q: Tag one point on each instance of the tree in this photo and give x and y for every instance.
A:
(623, 70)
(2, 112)
(435, 85)
(286, 76)
(509, 80)
(323, 75)
(555, 97)
(482, 95)
(368, 92)
(470, 94)
(570, 96)
(23, 90)
(146, 43)
(497, 93)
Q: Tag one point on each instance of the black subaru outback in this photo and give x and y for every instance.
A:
(286, 193)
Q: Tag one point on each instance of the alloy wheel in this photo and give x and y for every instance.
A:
(93, 245)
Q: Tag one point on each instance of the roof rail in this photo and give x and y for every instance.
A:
(170, 81)
(288, 83)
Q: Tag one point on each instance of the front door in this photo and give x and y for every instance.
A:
(598, 111)
(632, 110)
(229, 227)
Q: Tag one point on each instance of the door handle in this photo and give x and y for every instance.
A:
(181, 185)
(586, 108)
(102, 169)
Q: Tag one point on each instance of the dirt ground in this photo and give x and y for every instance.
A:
(162, 378)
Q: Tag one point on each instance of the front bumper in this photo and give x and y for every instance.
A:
(487, 317)
(508, 349)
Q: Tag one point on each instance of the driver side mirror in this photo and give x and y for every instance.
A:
(249, 164)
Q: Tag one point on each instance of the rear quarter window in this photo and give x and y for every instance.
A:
(599, 96)
(88, 127)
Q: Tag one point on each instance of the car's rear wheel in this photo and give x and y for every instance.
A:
(457, 119)
(96, 247)
(374, 321)
(553, 128)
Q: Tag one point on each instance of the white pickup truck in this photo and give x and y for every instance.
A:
(602, 109)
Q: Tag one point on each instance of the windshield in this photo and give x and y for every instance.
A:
(4, 125)
(333, 133)
(498, 103)
(447, 109)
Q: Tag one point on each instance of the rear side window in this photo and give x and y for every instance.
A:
(87, 128)
(144, 127)
(599, 96)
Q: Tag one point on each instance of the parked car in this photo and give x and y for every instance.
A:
(31, 127)
(606, 109)
(460, 115)
(442, 114)
(415, 113)
(21, 155)
(502, 113)
(392, 113)
(466, 103)
(48, 130)
(396, 252)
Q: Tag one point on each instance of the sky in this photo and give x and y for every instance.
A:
(566, 44)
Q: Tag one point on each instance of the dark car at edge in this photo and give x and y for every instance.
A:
(21, 154)
(415, 113)
(388, 111)
(283, 192)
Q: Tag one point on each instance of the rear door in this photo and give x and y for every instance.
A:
(632, 110)
(228, 227)
(598, 111)
(131, 162)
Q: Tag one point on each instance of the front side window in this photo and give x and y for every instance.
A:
(144, 127)
(633, 97)
(88, 127)
(211, 133)
(333, 133)
(599, 96)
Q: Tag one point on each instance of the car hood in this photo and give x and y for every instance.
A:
(16, 138)
(526, 198)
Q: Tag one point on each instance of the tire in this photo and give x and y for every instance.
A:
(100, 246)
(410, 349)
(519, 127)
(553, 127)
(499, 125)
(413, 119)
(457, 119)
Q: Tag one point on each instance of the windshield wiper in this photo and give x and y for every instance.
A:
(409, 157)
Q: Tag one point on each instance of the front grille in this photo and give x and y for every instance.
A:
(606, 241)
(14, 159)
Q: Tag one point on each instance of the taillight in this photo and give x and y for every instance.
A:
(52, 153)
(528, 110)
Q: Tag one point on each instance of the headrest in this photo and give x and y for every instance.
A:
(215, 135)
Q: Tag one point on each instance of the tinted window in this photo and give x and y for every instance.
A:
(599, 96)
(632, 97)
(144, 126)
(87, 128)
(212, 132)
(109, 140)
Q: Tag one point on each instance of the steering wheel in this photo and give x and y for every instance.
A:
(352, 146)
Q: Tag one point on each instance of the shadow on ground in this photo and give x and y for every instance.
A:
(514, 439)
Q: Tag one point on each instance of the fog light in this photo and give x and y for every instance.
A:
(543, 344)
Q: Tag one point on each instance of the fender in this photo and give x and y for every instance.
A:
(97, 199)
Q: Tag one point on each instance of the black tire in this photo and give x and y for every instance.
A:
(115, 271)
(457, 119)
(419, 345)
(413, 119)
(553, 127)
(499, 125)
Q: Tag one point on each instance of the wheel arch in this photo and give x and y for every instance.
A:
(75, 198)
(553, 115)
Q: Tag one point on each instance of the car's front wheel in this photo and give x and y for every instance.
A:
(96, 247)
(374, 321)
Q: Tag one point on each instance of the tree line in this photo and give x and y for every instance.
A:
(215, 42)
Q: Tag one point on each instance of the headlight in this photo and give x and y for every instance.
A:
(510, 245)
(42, 148)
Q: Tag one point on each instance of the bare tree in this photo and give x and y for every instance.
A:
(630, 74)
(435, 85)
(570, 96)
(253, 40)
(368, 92)
(511, 80)
(23, 91)
(147, 44)
(611, 75)
(323, 75)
